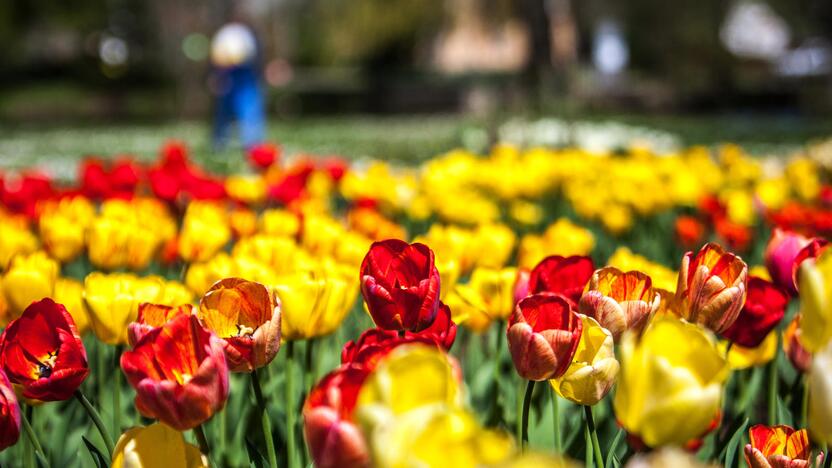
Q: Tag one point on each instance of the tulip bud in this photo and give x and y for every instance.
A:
(779, 446)
(780, 255)
(179, 372)
(712, 287)
(246, 316)
(156, 445)
(9, 414)
(42, 352)
(29, 278)
(400, 284)
(592, 372)
(820, 397)
(562, 275)
(800, 358)
(543, 334)
(152, 316)
(620, 301)
(764, 308)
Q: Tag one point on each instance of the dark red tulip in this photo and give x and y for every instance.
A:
(764, 308)
(42, 352)
(9, 414)
(400, 284)
(263, 155)
(566, 276)
(375, 343)
(443, 329)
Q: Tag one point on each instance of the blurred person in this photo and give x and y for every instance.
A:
(236, 83)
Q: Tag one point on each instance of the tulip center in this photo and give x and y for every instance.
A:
(243, 330)
(45, 367)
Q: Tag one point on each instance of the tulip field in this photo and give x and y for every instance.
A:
(529, 306)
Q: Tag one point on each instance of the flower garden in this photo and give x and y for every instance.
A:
(525, 307)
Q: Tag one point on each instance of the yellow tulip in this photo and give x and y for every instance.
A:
(448, 277)
(670, 384)
(280, 223)
(492, 245)
(279, 253)
(200, 276)
(488, 296)
(594, 368)
(156, 445)
(243, 222)
(29, 278)
(815, 286)
(112, 302)
(248, 189)
(70, 293)
(62, 235)
(315, 302)
(740, 357)
(820, 397)
(15, 240)
(116, 242)
(205, 230)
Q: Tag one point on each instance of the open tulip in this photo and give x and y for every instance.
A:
(712, 287)
(764, 308)
(562, 275)
(9, 413)
(152, 316)
(246, 316)
(820, 397)
(29, 278)
(42, 352)
(179, 372)
(156, 445)
(112, 302)
(400, 284)
(780, 255)
(488, 296)
(543, 334)
(592, 372)
(620, 301)
(670, 384)
(779, 447)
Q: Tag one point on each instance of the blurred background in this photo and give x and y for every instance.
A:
(709, 69)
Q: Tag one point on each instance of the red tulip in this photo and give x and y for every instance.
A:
(562, 275)
(400, 284)
(543, 334)
(152, 316)
(9, 414)
(263, 155)
(42, 352)
(442, 331)
(179, 372)
(521, 286)
(810, 251)
(780, 256)
(779, 447)
(764, 308)
(689, 231)
(333, 438)
(375, 343)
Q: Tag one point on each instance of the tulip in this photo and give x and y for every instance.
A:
(592, 372)
(488, 296)
(376, 343)
(263, 155)
(620, 301)
(780, 255)
(42, 352)
(246, 317)
(179, 372)
(740, 357)
(820, 397)
(764, 308)
(201, 276)
(670, 384)
(543, 334)
(562, 275)
(112, 302)
(800, 358)
(313, 303)
(63, 234)
(712, 287)
(815, 286)
(205, 230)
(15, 240)
(665, 457)
(70, 293)
(442, 331)
(779, 446)
(156, 445)
(29, 278)
(400, 284)
(153, 316)
(689, 231)
(9, 414)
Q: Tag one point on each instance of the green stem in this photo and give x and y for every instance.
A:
(96, 419)
(223, 430)
(33, 440)
(290, 405)
(527, 400)
(772, 385)
(264, 418)
(556, 422)
(117, 390)
(101, 364)
(590, 427)
(199, 432)
(308, 370)
(588, 444)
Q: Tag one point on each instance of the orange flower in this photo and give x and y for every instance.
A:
(779, 447)
(712, 287)
(246, 316)
(153, 316)
(620, 301)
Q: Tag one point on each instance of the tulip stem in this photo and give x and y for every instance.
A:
(96, 419)
(527, 401)
(590, 428)
(290, 405)
(556, 422)
(30, 434)
(264, 418)
(202, 440)
(772, 385)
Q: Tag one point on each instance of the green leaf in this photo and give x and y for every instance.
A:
(255, 458)
(614, 446)
(733, 443)
(99, 459)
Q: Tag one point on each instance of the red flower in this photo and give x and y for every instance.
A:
(735, 235)
(566, 276)
(779, 446)
(152, 316)
(21, 194)
(764, 308)
(335, 167)
(93, 178)
(124, 178)
(810, 251)
(293, 184)
(263, 155)
(9, 414)
(375, 343)
(543, 334)
(781, 255)
(42, 352)
(442, 331)
(179, 372)
(689, 231)
(400, 284)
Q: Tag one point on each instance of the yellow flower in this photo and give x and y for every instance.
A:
(115, 242)
(321, 235)
(14, 240)
(280, 254)
(156, 445)
(525, 212)
(563, 237)
(670, 384)
(205, 230)
(243, 222)
(63, 226)
(448, 277)
(625, 260)
(593, 370)
(29, 278)
(277, 222)
(740, 357)
(70, 293)
(247, 189)
(314, 302)
(488, 296)
(815, 286)
(491, 245)
(200, 276)
(617, 219)
(820, 397)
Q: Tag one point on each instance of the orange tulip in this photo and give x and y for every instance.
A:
(620, 301)
(779, 447)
